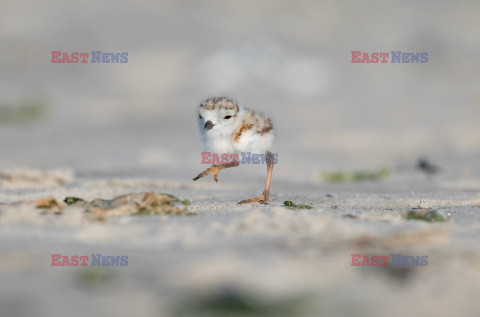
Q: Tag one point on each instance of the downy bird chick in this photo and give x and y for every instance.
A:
(228, 128)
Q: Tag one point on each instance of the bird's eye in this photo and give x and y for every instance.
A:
(227, 117)
(199, 116)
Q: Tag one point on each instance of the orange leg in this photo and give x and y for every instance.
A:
(215, 169)
(263, 198)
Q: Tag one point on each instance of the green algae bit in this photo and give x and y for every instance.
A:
(289, 204)
(425, 215)
(72, 200)
(186, 202)
(356, 176)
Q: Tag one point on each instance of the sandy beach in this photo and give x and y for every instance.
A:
(232, 259)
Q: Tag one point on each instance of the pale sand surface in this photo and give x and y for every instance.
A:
(297, 262)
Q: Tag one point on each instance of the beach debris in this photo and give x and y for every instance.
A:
(175, 199)
(49, 205)
(398, 273)
(72, 200)
(25, 111)
(422, 204)
(424, 165)
(145, 203)
(356, 176)
(94, 277)
(289, 204)
(429, 215)
(229, 301)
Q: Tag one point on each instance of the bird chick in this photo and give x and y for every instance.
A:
(228, 128)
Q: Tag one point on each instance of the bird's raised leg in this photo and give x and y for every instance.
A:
(215, 169)
(263, 198)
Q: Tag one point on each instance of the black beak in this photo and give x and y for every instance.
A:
(208, 125)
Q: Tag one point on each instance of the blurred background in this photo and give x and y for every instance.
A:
(336, 122)
(291, 60)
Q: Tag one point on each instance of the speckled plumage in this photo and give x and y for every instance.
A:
(234, 128)
(227, 128)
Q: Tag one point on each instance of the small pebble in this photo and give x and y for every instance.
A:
(422, 204)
